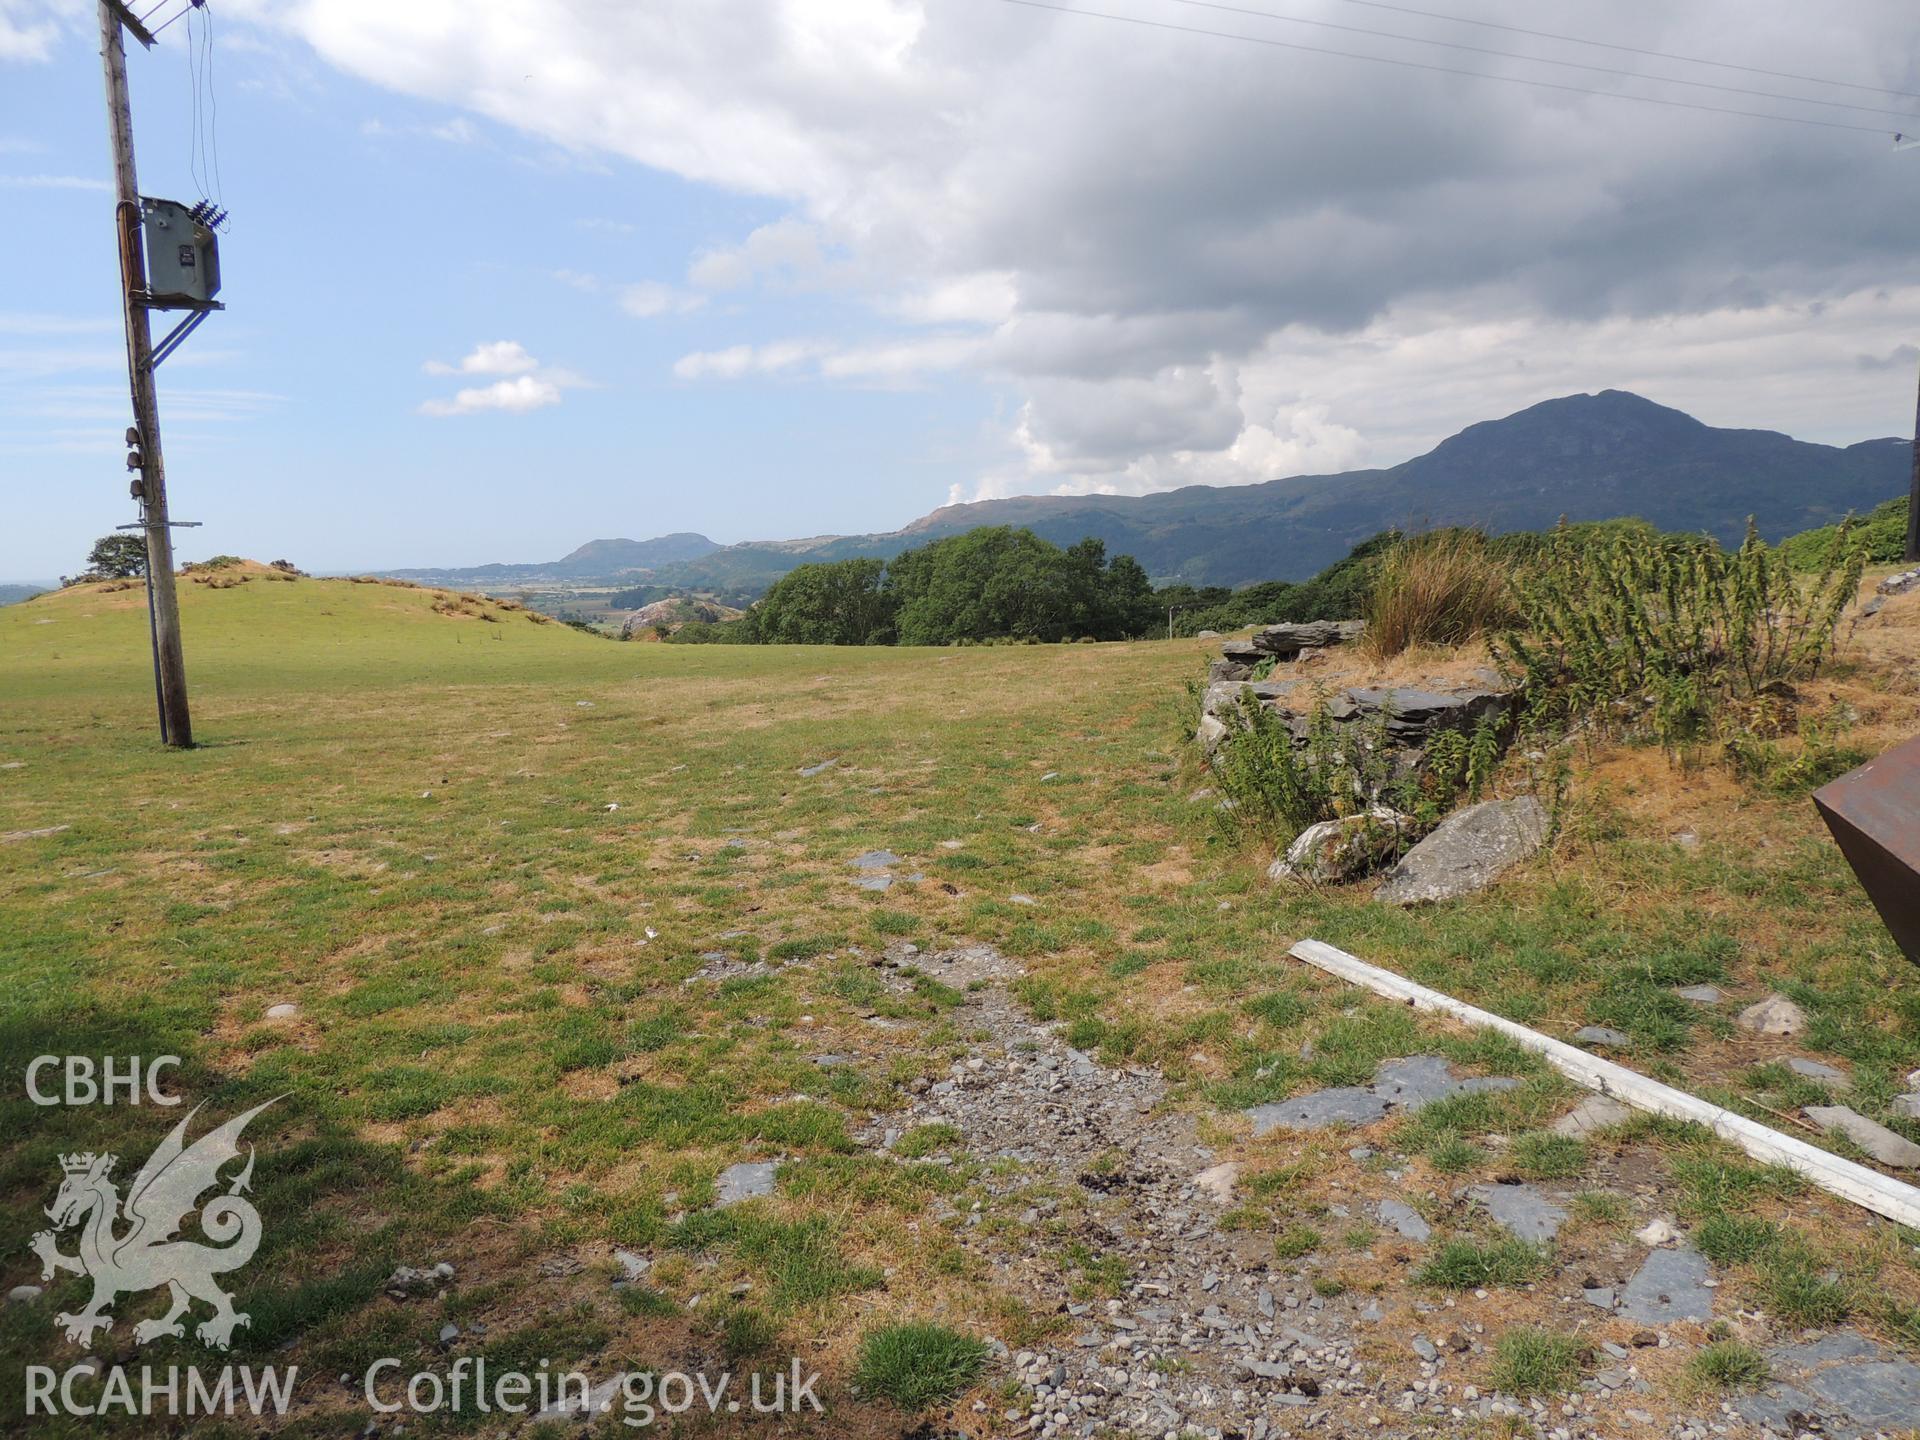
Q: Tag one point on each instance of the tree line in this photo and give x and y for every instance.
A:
(994, 583)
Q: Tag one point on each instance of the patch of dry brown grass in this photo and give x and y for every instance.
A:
(1441, 588)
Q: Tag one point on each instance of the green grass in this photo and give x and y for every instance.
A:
(1727, 1365)
(399, 819)
(918, 1365)
(1543, 1155)
(1295, 1241)
(1734, 1239)
(1471, 1265)
(1451, 1154)
(1529, 1361)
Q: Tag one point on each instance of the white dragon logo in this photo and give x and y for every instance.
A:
(146, 1256)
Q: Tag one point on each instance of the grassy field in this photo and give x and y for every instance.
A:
(488, 857)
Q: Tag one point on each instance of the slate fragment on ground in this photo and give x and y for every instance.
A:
(748, 1180)
(1406, 1084)
(1854, 1386)
(1670, 1285)
(1521, 1211)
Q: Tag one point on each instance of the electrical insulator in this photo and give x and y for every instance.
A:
(138, 489)
(133, 435)
(136, 460)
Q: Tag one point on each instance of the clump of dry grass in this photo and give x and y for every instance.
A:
(1441, 588)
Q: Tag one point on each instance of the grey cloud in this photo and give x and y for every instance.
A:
(1165, 208)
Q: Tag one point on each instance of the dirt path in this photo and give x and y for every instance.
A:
(1103, 1204)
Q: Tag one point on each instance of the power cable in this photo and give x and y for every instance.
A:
(1545, 60)
(1448, 69)
(195, 143)
(213, 111)
(1633, 49)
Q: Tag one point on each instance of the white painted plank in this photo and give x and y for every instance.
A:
(1838, 1176)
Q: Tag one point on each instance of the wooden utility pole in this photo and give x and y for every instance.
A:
(169, 662)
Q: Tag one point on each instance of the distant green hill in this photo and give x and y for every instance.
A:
(1588, 457)
(14, 594)
(597, 560)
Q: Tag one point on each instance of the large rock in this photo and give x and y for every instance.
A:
(1336, 850)
(1412, 716)
(1223, 698)
(1471, 849)
(1406, 717)
(1287, 641)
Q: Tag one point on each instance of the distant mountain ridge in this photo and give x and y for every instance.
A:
(1588, 457)
(596, 560)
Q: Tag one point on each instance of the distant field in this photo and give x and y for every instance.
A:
(483, 856)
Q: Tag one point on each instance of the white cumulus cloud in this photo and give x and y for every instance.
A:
(490, 357)
(528, 385)
(516, 397)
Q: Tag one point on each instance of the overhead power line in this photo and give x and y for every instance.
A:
(1555, 85)
(1545, 60)
(1634, 49)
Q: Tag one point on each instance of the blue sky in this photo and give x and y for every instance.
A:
(373, 235)
(768, 268)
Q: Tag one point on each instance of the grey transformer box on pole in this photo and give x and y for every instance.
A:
(183, 253)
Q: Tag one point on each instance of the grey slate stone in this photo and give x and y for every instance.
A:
(1601, 1035)
(1469, 851)
(874, 882)
(1670, 1285)
(1412, 716)
(1421, 1079)
(1871, 1136)
(809, 771)
(1408, 1083)
(1593, 1114)
(1404, 1220)
(1825, 1074)
(1347, 1105)
(1855, 1386)
(748, 1180)
(1287, 641)
(1773, 1407)
(1701, 994)
(1521, 1211)
(875, 860)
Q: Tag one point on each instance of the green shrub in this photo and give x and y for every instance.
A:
(1883, 533)
(1671, 639)
(918, 1365)
(1279, 785)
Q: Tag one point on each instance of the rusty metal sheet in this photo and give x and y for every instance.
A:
(1874, 814)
